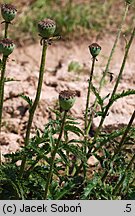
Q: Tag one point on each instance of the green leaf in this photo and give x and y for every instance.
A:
(63, 157)
(27, 99)
(12, 187)
(71, 118)
(57, 112)
(75, 150)
(99, 99)
(99, 113)
(75, 141)
(73, 129)
(65, 190)
(71, 122)
(90, 186)
(107, 96)
(8, 79)
(123, 94)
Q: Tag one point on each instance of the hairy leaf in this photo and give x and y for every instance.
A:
(7, 79)
(75, 150)
(73, 129)
(99, 99)
(123, 94)
(27, 99)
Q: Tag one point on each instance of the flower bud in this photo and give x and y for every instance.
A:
(67, 99)
(46, 28)
(8, 12)
(94, 49)
(6, 46)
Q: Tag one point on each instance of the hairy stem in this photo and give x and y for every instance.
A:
(110, 101)
(53, 156)
(88, 94)
(35, 103)
(126, 131)
(116, 85)
(109, 61)
(4, 60)
(115, 191)
(121, 143)
(114, 46)
(6, 29)
(2, 79)
(87, 108)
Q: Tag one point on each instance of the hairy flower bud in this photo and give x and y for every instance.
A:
(94, 49)
(67, 99)
(8, 12)
(6, 46)
(46, 28)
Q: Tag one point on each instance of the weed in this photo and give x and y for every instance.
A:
(75, 67)
(6, 48)
(94, 50)
(46, 30)
(54, 165)
(73, 19)
(66, 100)
(109, 59)
(8, 12)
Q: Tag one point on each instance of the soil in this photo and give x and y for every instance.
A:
(23, 66)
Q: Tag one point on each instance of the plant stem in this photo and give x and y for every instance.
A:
(4, 60)
(121, 143)
(126, 131)
(117, 151)
(109, 61)
(103, 77)
(86, 110)
(53, 156)
(110, 101)
(88, 94)
(123, 177)
(116, 84)
(35, 103)
(2, 79)
(2, 85)
(6, 29)
(114, 46)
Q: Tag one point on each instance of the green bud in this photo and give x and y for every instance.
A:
(6, 46)
(46, 28)
(67, 99)
(94, 49)
(8, 12)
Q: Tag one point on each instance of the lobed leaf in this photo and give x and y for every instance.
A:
(27, 99)
(74, 129)
(123, 94)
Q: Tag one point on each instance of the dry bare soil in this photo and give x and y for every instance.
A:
(23, 66)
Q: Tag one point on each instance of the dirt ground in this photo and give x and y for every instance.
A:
(23, 66)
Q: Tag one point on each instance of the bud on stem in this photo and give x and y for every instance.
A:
(8, 12)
